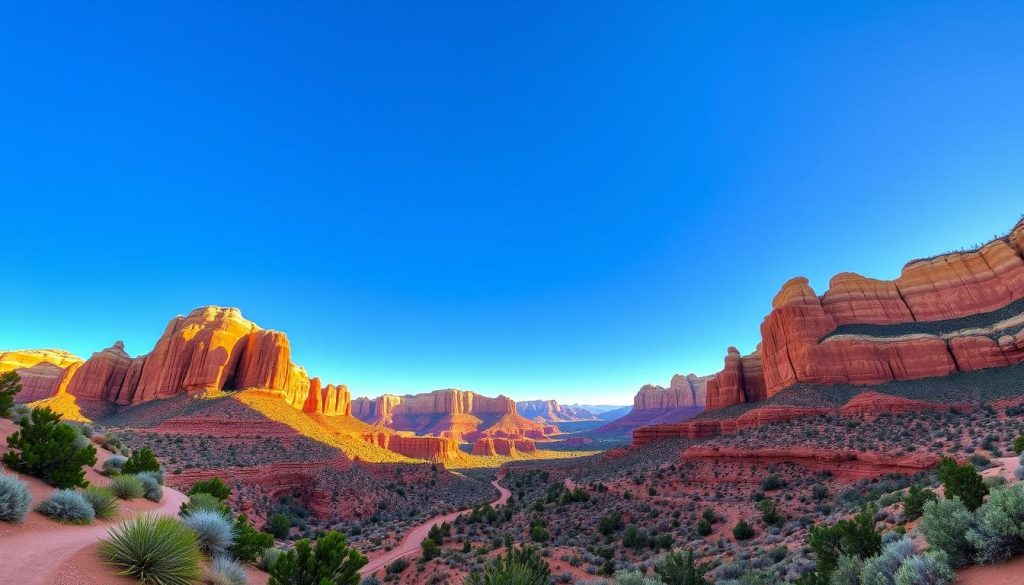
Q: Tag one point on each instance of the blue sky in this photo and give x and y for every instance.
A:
(544, 199)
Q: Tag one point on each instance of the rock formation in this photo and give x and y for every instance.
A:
(683, 399)
(551, 411)
(44, 372)
(490, 446)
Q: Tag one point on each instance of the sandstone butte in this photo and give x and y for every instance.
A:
(551, 411)
(684, 398)
(456, 414)
(503, 446)
(801, 339)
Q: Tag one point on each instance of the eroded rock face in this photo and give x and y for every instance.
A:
(741, 380)
(440, 449)
(490, 446)
(102, 375)
(846, 464)
(551, 411)
(44, 372)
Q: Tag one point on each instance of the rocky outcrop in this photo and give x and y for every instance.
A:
(552, 411)
(707, 428)
(490, 446)
(440, 449)
(741, 380)
(871, 404)
(44, 372)
(102, 375)
(845, 464)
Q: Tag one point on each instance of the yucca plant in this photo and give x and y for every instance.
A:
(215, 532)
(226, 571)
(67, 507)
(154, 549)
(127, 487)
(102, 500)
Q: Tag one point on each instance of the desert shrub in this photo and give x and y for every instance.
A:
(152, 490)
(847, 571)
(430, 549)
(680, 568)
(772, 482)
(855, 537)
(154, 549)
(215, 533)
(10, 384)
(127, 487)
(1018, 444)
(67, 507)
(204, 502)
(113, 465)
(521, 566)
(538, 533)
(634, 578)
(769, 512)
(945, 524)
(998, 531)
(703, 527)
(279, 525)
(962, 481)
(226, 571)
(214, 486)
(397, 566)
(913, 502)
(743, 530)
(249, 542)
(268, 557)
(1019, 472)
(329, 561)
(45, 448)
(14, 498)
(930, 568)
(102, 500)
(141, 460)
(881, 569)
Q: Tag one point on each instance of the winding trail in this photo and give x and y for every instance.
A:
(410, 543)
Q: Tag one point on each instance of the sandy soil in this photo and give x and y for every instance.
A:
(410, 543)
(1008, 573)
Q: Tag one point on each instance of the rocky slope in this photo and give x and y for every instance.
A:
(457, 414)
(953, 313)
(551, 411)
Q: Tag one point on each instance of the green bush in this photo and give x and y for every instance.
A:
(249, 543)
(204, 501)
(127, 487)
(329, 562)
(214, 486)
(10, 384)
(268, 557)
(1018, 444)
(703, 527)
(154, 549)
(998, 531)
(215, 532)
(113, 465)
(930, 568)
(45, 448)
(521, 566)
(880, 569)
(913, 502)
(279, 525)
(225, 571)
(67, 507)
(152, 490)
(430, 549)
(680, 568)
(14, 498)
(538, 534)
(855, 537)
(743, 531)
(635, 578)
(945, 524)
(397, 566)
(962, 481)
(141, 460)
(102, 500)
(769, 512)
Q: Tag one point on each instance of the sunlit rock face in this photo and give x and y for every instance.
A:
(552, 411)
(43, 372)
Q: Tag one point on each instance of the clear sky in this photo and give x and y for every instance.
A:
(544, 199)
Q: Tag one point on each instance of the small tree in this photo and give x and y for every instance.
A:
(50, 450)
(913, 502)
(769, 512)
(1018, 444)
(521, 566)
(680, 568)
(743, 531)
(10, 384)
(962, 481)
(249, 543)
(279, 525)
(141, 460)
(855, 537)
(430, 549)
(329, 562)
(214, 486)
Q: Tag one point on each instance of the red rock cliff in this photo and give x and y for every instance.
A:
(44, 372)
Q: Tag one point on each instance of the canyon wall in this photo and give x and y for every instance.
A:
(552, 411)
(43, 372)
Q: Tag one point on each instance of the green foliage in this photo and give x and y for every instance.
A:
(680, 568)
(14, 498)
(430, 549)
(998, 531)
(213, 486)
(10, 384)
(204, 501)
(397, 566)
(67, 507)
(538, 533)
(1018, 444)
(772, 482)
(854, 537)
(225, 571)
(879, 570)
(141, 460)
(743, 530)
(633, 538)
(113, 465)
(930, 568)
(103, 501)
(152, 490)
(703, 527)
(847, 571)
(635, 578)
(962, 481)
(609, 524)
(279, 525)
(215, 532)
(913, 502)
(46, 448)
(268, 557)
(329, 562)
(127, 487)
(154, 549)
(249, 543)
(521, 566)
(769, 512)
(945, 524)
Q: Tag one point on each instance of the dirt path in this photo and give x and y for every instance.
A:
(35, 555)
(410, 543)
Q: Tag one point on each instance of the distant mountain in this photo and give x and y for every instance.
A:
(552, 411)
(599, 409)
(615, 413)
